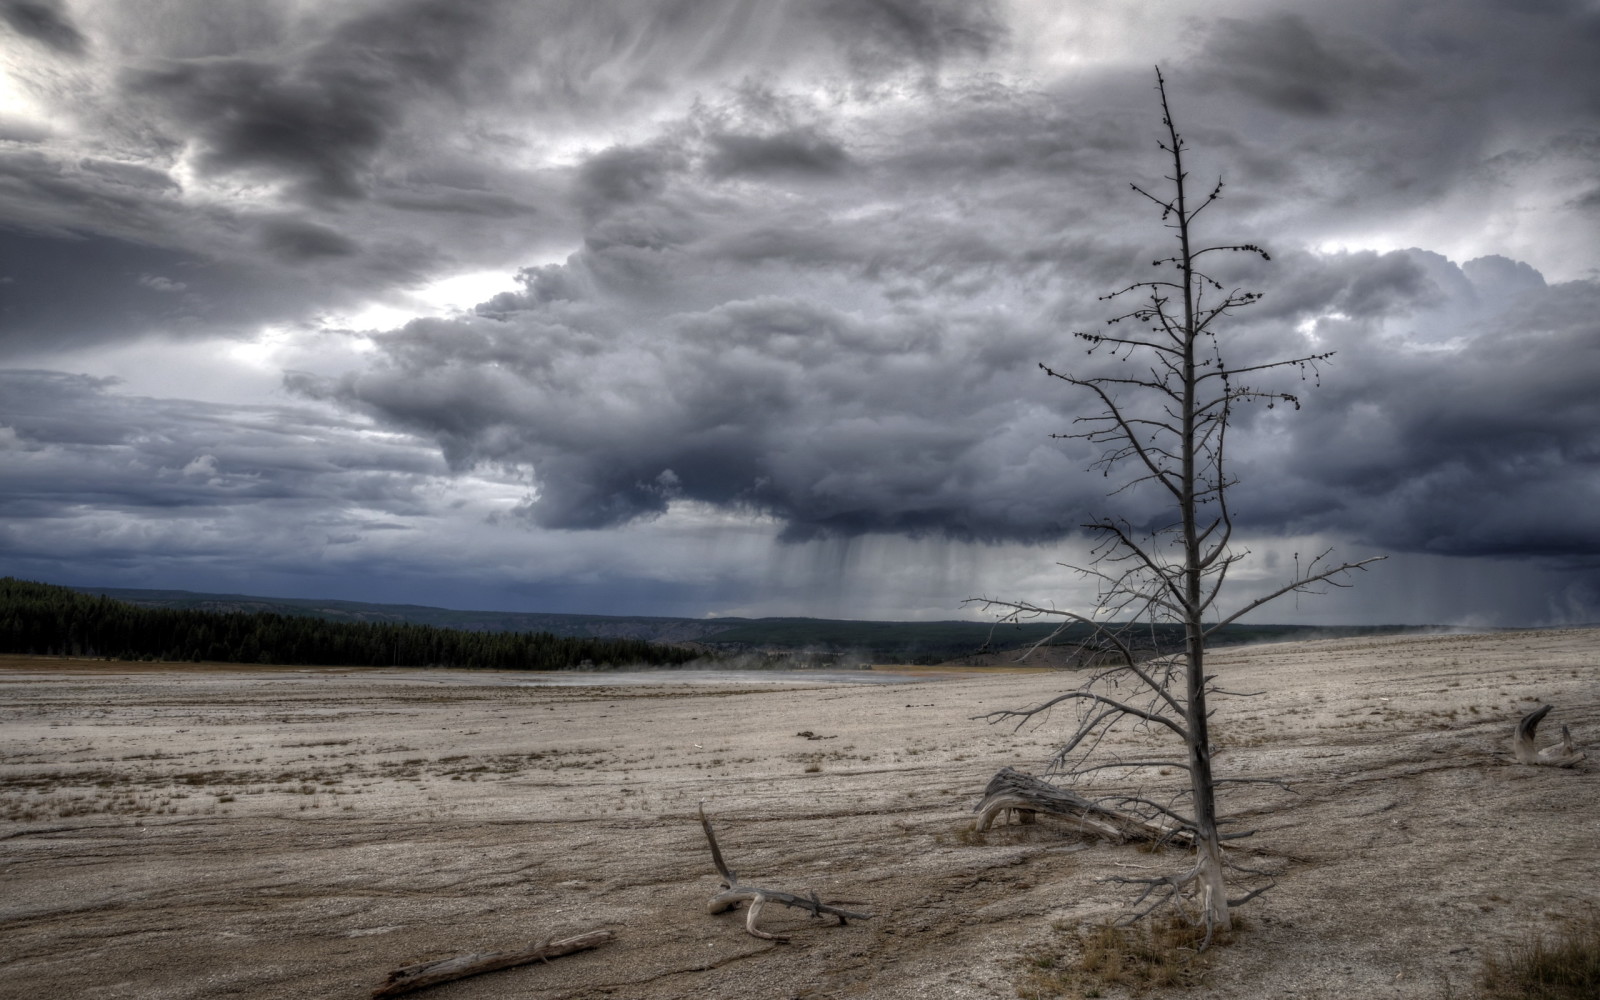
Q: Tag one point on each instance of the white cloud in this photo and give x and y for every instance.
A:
(203, 467)
(157, 283)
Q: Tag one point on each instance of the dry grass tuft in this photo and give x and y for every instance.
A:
(1159, 953)
(967, 833)
(1563, 966)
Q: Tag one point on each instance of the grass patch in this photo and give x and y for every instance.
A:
(1560, 966)
(1161, 952)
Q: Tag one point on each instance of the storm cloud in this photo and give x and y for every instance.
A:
(1459, 402)
(45, 23)
(781, 270)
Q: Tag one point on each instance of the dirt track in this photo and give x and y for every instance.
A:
(285, 834)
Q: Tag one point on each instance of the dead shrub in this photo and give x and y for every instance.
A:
(1161, 952)
(1560, 966)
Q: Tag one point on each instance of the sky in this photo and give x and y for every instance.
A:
(736, 307)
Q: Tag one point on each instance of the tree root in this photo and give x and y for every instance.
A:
(1523, 747)
(734, 893)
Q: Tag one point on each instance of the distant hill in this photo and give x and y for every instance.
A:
(868, 641)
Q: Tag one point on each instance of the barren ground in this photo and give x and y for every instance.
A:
(282, 833)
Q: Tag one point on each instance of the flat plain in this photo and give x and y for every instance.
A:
(198, 832)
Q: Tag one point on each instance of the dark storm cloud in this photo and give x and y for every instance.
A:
(673, 360)
(320, 121)
(1364, 285)
(59, 290)
(72, 442)
(361, 149)
(326, 120)
(297, 241)
(104, 488)
(801, 151)
(455, 201)
(845, 372)
(927, 417)
(1442, 122)
(321, 132)
(623, 176)
(118, 196)
(81, 231)
(772, 405)
(130, 175)
(887, 33)
(1459, 420)
(45, 23)
(80, 289)
(1283, 62)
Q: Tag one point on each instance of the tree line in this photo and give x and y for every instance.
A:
(47, 620)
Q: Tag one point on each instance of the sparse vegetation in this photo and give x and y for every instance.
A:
(1564, 965)
(1160, 953)
(967, 833)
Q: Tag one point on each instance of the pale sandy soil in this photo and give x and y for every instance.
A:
(277, 833)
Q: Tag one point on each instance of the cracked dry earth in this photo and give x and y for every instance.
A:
(281, 833)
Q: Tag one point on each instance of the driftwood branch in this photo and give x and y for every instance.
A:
(1523, 747)
(1010, 789)
(445, 970)
(733, 893)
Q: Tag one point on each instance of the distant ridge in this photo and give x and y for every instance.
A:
(872, 641)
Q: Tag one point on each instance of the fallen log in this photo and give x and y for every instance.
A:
(445, 970)
(1028, 796)
(1526, 751)
(733, 893)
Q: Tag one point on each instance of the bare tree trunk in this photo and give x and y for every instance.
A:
(1011, 790)
(446, 970)
(1209, 866)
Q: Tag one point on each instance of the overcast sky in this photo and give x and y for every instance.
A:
(699, 307)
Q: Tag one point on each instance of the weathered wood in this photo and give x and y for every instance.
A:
(1028, 796)
(734, 893)
(421, 976)
(1523, 747)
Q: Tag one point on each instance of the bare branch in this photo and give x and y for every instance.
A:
(1300, 584)
(1023, 715)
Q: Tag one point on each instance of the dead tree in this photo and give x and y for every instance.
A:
(1012, 791)
(1523, 747)
(733, 893)
(1165, 414)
